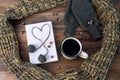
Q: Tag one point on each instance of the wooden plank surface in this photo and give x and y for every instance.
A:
(56, 16)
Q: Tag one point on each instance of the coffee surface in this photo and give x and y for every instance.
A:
(71, 47)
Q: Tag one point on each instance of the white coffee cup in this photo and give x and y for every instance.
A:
(71, 48)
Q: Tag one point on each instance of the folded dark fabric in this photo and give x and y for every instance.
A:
(81, 12)
(86, 16)
(70, 20)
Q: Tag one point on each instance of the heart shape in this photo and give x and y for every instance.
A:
(42, 32)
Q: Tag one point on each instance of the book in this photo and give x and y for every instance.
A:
(42, 37)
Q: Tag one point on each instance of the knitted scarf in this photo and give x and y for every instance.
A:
(95, 68)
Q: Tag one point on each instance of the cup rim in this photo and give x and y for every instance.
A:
(78, 41)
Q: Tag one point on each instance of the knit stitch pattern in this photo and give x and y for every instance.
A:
(95, 68)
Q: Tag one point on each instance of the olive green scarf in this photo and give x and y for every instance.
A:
(95, 68)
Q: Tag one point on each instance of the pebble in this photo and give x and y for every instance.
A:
(42, 58)
(31, 48)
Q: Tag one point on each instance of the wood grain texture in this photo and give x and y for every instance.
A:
(7, 76)
(56, 15)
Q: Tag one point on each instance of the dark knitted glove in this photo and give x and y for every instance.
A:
(81, 12)
(70, 20)
(86, 16)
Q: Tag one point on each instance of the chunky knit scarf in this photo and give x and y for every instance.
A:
(95, 68)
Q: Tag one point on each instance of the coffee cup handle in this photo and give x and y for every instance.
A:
(83, 55)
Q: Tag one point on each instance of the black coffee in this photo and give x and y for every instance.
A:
(71, 47)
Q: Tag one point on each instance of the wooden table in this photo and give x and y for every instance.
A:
(56, 16)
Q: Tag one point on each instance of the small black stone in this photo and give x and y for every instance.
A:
(42, 58)
(31, 48)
